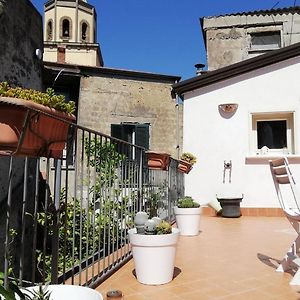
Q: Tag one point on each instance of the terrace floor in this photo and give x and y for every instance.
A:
(229, 259)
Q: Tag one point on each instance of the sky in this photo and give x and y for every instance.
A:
(161, 36)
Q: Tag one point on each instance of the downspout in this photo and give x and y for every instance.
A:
(76, 22)
(55, 21)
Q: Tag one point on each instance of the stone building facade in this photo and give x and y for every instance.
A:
(21, 65)
(21, 44)
(239, 36)
(114, 100)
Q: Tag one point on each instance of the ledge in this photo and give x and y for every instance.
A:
(264, 159)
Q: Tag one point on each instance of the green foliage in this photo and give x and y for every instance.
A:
(48, 99)
(104, 158)
(163, 228)
(189, 157)
(9, 292)
(41, 294)
(187, 202)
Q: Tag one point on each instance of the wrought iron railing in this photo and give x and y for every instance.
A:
(66, 220)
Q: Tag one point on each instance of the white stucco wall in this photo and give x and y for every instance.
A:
(214, 138)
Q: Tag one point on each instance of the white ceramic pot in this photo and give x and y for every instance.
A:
(73, 292)
(188, 220)
(154, 256)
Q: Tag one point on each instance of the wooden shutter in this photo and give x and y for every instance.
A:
(142, 135)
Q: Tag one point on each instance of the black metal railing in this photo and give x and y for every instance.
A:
(66, 220)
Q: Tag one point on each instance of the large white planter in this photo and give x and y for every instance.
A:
(188, 220)
(72, 292)
(154, 256)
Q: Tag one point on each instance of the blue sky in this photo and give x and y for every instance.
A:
(160, 36)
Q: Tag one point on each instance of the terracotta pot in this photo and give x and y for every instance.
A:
(42, 134)
(158, 160)
(184, 166)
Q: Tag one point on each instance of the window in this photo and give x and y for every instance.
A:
(49, 31)
(65, 28)
(273, 133)
(84, 32)
(136, 134)
(268, 40)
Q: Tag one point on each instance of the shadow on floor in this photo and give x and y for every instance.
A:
(272, 262)
(177, 271)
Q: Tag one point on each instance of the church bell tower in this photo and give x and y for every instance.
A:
(70, 33)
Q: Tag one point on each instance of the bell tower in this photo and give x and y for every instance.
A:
(70, 33)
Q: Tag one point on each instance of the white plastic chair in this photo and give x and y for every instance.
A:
(288, 197)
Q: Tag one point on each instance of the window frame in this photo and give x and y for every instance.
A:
(288, 116)
(69, 37)
(264, 33)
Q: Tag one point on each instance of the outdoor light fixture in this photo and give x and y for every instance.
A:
(228, 107)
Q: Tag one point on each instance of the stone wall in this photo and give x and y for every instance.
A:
(20, 35)
(228, 39)
(112, 100)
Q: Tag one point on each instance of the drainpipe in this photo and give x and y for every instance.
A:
(76, 22)
(179, 101)
(55, 21)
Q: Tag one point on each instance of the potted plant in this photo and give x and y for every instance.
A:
(33, 123)
(46, 292)
(153, 249)
(186, 162)
(158, 160)
(187, 214)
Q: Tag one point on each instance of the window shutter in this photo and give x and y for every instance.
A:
(142, 135)
(117, 131)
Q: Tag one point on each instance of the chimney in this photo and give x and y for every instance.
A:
(199, 69)
(61, 55)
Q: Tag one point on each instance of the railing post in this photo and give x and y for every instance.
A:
(55, 237)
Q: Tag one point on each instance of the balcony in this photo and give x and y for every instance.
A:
(232, 258)
(66, 220)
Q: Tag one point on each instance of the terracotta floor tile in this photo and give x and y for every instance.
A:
(232, 258)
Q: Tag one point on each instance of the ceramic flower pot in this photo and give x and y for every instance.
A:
(154, 256)
(27, 129)
(158, 160)
(188, 220)
(184, 166)
(61, 291)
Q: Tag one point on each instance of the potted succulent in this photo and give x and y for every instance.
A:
(33, 123)
(46, 292)
(158, 160)
(153, 245)
(187, 213)
(186, 162)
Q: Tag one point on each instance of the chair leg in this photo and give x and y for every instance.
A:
(290, 257)
(296, 278)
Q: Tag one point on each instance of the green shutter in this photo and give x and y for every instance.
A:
(142, 135)
(117, 131)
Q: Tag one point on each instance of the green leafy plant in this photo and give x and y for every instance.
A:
(9, 292)
(163, 227)
(42, 293)
(49, 98)
(187, 202)
(189, 157)
(12, 289)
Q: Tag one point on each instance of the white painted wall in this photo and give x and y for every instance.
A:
(214, 138)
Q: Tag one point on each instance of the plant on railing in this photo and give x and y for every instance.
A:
(154, 199)
(49, 98)
(104, 158)
(82, 231)
(187, 202)
(188, 157)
